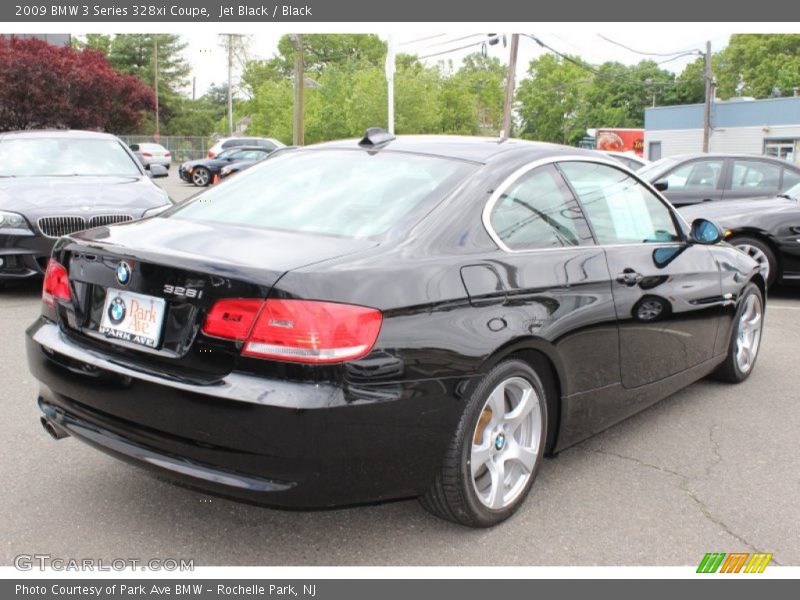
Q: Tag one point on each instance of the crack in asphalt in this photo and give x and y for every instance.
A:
(683, 485)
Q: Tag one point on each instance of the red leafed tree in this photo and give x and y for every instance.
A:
(42, 85)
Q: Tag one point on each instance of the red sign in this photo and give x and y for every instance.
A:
(621, 140)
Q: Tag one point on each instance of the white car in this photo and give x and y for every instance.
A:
(152, 154)
(232, 142)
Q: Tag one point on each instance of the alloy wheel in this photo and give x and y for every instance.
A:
(200, 177)
(505, 443)
(748, 336)
(758, 255)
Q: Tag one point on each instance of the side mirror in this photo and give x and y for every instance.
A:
(705, 232)
(661, 185)
(157, 171)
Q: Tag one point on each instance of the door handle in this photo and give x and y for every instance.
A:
(629, 277)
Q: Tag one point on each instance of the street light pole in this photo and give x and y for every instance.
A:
(230, 84)
(156, 135)
(298, 133)
(390, 82)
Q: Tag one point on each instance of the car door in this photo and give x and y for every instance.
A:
(696, 180)
(752, 178)
(555, 276)
(667, 291)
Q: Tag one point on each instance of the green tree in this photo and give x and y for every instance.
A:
(755, 64)
(550, 100)
(133, 54)
(472, 97)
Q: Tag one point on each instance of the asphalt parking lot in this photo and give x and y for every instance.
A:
(713, 468)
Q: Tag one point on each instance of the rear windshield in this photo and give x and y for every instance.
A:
(347, 193)
(63, 156)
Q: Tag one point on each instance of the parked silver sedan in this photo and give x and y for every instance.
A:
(152, 154)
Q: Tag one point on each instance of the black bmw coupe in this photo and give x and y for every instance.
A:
(421, 316)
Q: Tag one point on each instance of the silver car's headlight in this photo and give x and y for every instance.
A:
(152, 212)
(10, 220)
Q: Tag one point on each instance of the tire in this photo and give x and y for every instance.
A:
(745, 337)
(201, 177)
(761, 253)
(513, 446)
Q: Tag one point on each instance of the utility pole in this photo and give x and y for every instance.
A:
(512, 69)
(156, 135)
(709, 77)
(230, 84)
(299, 86)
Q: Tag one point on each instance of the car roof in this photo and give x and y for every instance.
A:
(468, 148)
(57, 133)
(712, 155)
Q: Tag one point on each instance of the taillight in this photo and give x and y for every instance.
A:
(232, 319)
(211, 154)
(56, 283)
(305, 331)
(167, 154)
(147, 154)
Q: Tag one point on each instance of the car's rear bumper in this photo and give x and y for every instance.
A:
(23, 255)
(271, 441)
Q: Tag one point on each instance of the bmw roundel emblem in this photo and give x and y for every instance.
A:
(123, 272)
(117, 310)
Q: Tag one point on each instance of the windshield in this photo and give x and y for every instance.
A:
(648, 171)
(63, 156)
(346, 193)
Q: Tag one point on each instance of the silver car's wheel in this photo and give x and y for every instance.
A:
(748, 336)
(200, 177)
(758, 255)
(505, 443)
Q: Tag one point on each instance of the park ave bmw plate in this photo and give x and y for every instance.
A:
(133, 318)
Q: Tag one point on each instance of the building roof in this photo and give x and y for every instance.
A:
(728, 113)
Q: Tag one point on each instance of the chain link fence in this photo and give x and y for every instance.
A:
(182, 147)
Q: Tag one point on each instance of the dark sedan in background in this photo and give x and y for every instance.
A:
(357, 321)
(202, 172)
(54, 183)
(694, 178)
(767, 229)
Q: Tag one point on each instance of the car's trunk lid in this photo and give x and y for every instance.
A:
(171, 271)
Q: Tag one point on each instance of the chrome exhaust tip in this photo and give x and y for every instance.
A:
(53, 430)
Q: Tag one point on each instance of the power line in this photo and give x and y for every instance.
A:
(454, 40)
(451, 50)
(629, 49)
(594, 70)
(422, 39)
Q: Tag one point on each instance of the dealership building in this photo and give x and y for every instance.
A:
(770, 127)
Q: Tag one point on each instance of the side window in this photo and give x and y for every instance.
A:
(790, 179)
(696, 175)
(134, 147)
(755, 176)
(539, 211)
(620, 209)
